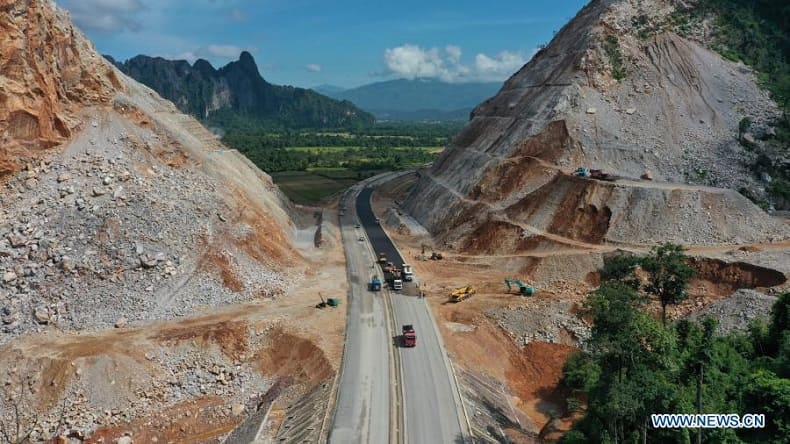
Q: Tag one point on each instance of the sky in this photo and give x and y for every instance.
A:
(346, 43)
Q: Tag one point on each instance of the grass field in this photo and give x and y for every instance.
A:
(317, 184)
(313, 187)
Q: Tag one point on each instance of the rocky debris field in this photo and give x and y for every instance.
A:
(542, 320)
(109, 234)
(736, 312)
(112, 391)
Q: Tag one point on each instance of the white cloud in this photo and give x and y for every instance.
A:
(221, 51)
(454, 53)
(313, 67)
(412, 61)
(501, 65)
(227, 52)
(106, 15)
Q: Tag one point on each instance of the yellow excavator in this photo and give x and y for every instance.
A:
(459, 294)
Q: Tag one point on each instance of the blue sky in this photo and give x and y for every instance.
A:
(345, 42)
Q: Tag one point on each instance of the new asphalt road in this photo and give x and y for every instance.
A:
(432, 411)
(363, 408)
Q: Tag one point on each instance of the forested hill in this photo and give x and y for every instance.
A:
(238, 92)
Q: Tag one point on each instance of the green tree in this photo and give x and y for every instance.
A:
(669, 275)
(769, 394)
(780, 322)
(628, 369)
(621, 268)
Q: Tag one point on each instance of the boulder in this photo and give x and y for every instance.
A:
(9, 276)
(16, 240)
(41, 315)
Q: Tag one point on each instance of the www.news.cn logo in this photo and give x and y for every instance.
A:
(709, 421)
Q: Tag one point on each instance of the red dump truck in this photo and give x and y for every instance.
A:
(409, 336)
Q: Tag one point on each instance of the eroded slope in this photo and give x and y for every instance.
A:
(674, 116)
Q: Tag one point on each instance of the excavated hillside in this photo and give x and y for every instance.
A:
(143, 265)
(124, 208)
(146, 271)
(505, 183)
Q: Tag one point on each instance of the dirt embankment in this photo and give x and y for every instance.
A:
(730, 276)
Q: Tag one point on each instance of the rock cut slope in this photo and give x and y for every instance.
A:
(504, 184)
(114, 206)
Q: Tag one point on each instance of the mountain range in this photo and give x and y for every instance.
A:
(416, 99)
(237, 91)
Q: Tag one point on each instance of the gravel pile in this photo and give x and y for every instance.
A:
(109, 233)
(736, 312)
(546, 320)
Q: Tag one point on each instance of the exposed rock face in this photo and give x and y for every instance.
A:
(47, 68)
(507, 176)
(135, 211)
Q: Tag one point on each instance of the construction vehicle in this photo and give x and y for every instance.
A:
(409, 336)
(600, 175)
(382, 258)
(408, 273)
(389, 268)
(329, 302)
(594, 174)
(459, 294)
(397, 284)
(436, 256)
(523, 289)
(375, 284)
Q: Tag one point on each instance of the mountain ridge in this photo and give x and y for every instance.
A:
(238, 89)
(418, 99)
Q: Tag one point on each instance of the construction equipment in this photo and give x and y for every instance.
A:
(409, 336)
(408, 273)
(390, 267)
(436, 256)
(523, 289)
(600, 175)
(397, 284)
(321, 304)
(594, 174)
(382, 258)
(332, 302)
(375, 284)
(459, 294)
